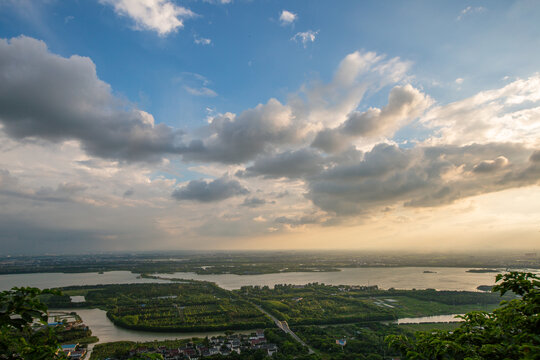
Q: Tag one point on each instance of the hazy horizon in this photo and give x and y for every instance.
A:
(131, 125)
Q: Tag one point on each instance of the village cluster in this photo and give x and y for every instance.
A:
(69, 322)
(223, 345)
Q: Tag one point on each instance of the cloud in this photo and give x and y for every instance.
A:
(196, 84)
(287, 17)
(202, 91)
(253, 202)
(489, 166)
(235, 139)
(459, 81)
(470, 10)
(210, 191)
(64, 192)
(507, 114)
(201, 41)
(128, 193)
(275, 127)
(296, 221)
(305, 37)
(289, 164)
(161, 16)
(421, 177)
(46, 96)
(405, 103)
(218, 1)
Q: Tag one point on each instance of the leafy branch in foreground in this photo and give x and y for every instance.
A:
(511, 331)
(21, 336)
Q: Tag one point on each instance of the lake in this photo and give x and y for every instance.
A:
(441, 278)
(52, 280)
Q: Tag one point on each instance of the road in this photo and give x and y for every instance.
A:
(285, 327)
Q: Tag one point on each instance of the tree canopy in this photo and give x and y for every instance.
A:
(512, 331)
(21, 336)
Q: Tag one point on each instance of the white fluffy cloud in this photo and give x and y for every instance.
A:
(508, 114)
(305, 37)
(286, 17)
(161, 16)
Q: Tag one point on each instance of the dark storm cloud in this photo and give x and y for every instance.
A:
(46, 96)
(210, 191)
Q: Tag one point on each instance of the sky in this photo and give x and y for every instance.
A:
(248, 125)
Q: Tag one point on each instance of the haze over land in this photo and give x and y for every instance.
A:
(131, 125)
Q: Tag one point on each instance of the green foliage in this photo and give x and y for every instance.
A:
(511, 331)
(185, 306)
(19, 309)
(147, 357)
(363, 339)
(319, 304)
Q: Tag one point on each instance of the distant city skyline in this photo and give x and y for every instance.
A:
(249, 125)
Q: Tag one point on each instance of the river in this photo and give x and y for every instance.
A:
(397, 277)
(106, 331)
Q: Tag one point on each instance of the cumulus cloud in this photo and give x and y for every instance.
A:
(287, 17)
(273, 127)
(305, 37)
(46, 96)
(421, 176)
(289, 164)
(161, 16)
(210, 191)
(236, 139)
(405, 103)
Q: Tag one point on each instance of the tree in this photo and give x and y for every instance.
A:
(511, 331)
(20, 308)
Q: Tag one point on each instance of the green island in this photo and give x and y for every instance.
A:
(188, 306)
